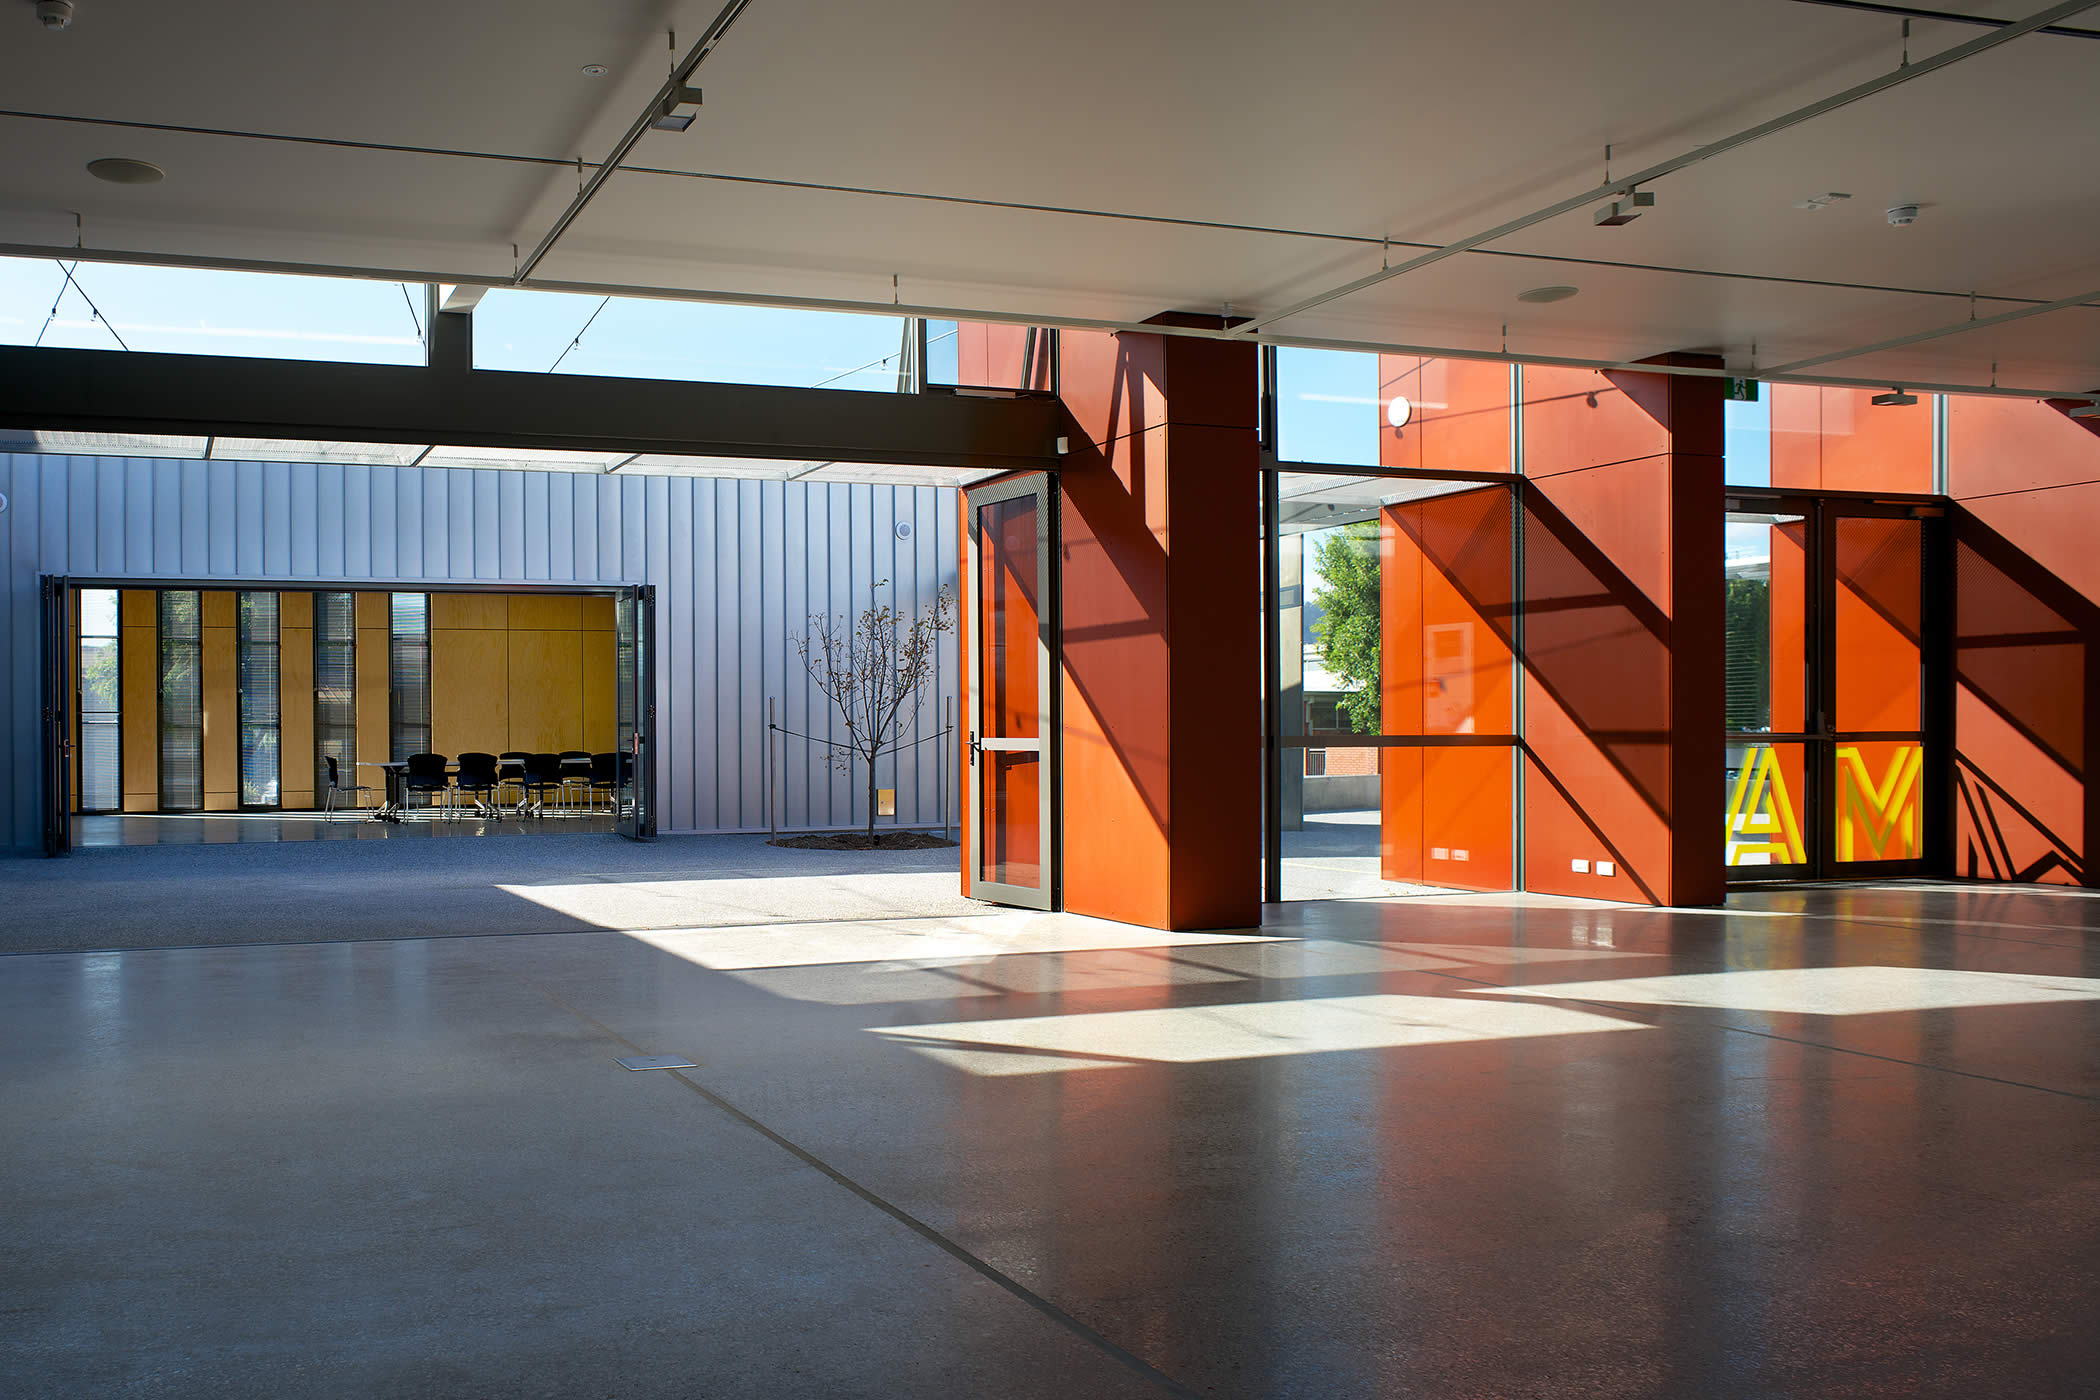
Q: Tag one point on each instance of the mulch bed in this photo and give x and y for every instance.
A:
(858, 841)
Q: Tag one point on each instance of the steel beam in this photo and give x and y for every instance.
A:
(1940, 332)
(212, 395)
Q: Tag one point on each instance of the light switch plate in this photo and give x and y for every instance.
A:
(1580, 867)
(1605, 867)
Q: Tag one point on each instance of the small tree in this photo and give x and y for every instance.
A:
(1347, 634)
(873, 671)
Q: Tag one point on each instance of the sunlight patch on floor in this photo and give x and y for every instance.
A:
(1196, 1034)
(1821, 991)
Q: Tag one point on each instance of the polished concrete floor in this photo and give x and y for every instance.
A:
(1334, 855)
(1839, 1142)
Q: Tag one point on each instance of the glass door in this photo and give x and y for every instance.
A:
(634, 687)
(1828, 690)
(1011, 727)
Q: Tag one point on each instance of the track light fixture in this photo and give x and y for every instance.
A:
(678, 110)
(1623, 210)
(1894, 399)
(2089, 409)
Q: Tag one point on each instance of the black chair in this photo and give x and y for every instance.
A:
(479, 777)
(426, 774)
(336, 785)
(576, 771)
(605, 777)
(510, 771)
(542, 775)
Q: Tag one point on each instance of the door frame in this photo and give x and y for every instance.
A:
(55, 593)
(1042, 486)
(1821, 739)
(638, 821)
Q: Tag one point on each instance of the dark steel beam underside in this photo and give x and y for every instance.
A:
(224, 396)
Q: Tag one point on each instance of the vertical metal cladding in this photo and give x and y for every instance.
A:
(738, 567)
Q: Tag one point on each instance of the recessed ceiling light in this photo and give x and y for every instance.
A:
(1539, 296)
(121, 170)
(595, 70)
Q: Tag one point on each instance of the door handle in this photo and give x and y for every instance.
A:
(975, 748)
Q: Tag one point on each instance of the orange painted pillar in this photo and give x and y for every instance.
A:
(1160, 664)
(1624, 671)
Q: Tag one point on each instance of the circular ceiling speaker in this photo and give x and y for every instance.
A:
(1540, 296)
(120, 170)
(1397, 411)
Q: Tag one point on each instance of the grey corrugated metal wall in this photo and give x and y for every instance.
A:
(738, 567)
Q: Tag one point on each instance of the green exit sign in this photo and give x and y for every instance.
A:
(1742, 390)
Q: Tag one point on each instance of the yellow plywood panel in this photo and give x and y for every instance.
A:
(598, 613)
(138, 669)
(295, 610)
(295, 724)
(375, 729)
(217, 608)
(222, 710)
(546, 691)
(469, 610)
(469, 691)
(139, 607)
(545, 611)
(373, 610)
(600, 718)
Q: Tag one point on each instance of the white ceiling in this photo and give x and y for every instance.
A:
(1285, 140)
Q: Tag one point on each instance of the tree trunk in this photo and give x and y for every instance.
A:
(871, 800)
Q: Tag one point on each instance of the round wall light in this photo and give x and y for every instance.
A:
(904, 529)
(1540, 296)
(1397, 411)
(121, 170)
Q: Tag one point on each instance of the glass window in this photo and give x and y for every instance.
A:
(1746, 440)
(408, 673)
(335, 686)
(644, 338)
(203, 311)
(101, 691)
(1327, 407)
(974, 354)
(181, 701)
(259, 699)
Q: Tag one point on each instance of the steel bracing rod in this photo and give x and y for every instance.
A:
(2062, 304)
(1943, 16)
(1981, 44)
(673, 86)
(1019, 318)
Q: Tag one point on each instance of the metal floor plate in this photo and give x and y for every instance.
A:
(655, 1062)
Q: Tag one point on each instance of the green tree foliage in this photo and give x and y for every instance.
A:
(1347, 634)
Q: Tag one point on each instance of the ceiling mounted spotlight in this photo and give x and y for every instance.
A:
(1895, 399)
(1541, 296)
(121, 170)
(678, 110)
(1623, 210)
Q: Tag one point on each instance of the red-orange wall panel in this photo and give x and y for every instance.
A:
(1998, 445)
(1578, 418)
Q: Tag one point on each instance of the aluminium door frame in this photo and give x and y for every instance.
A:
(1050, 789)
(1821, 739)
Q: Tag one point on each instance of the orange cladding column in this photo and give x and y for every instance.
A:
(2027, 640)
(1623, 635)
(1161, 646)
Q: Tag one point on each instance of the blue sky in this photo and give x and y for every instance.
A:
(1327, 400)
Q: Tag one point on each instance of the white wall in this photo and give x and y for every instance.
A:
(738, 567)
